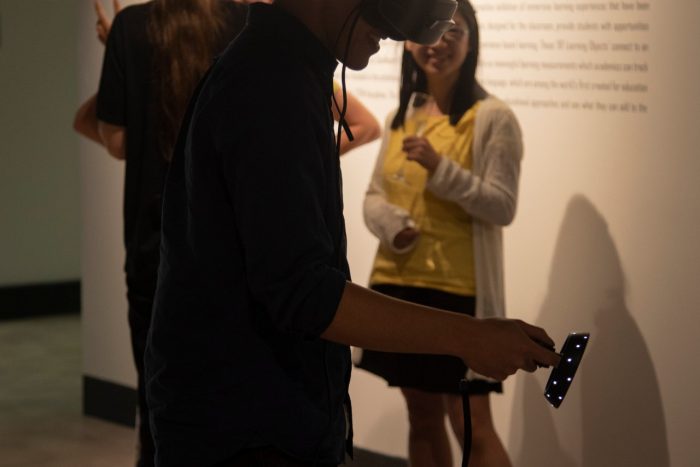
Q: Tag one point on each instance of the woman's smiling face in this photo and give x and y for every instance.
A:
(446, 56)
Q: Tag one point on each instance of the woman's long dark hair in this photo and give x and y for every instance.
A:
(467, 90)
(185, 35)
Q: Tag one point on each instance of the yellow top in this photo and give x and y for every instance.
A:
(443, 257)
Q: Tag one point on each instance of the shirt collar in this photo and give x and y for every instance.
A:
(275, 23)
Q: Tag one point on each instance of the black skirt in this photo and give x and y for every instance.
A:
(431, 373)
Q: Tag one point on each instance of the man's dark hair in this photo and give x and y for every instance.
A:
(467, 91)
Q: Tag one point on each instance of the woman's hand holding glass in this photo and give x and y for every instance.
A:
(419, 149)
(420, 104)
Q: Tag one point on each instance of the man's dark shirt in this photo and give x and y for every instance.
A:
(253, 261)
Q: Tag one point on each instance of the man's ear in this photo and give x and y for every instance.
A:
(409, 46)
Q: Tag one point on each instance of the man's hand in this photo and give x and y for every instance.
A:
(506, 346)
(104, 24)
(405, 238)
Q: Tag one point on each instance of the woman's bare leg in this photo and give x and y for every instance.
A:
(428, 443)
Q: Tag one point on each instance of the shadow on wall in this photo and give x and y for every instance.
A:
(612, 416)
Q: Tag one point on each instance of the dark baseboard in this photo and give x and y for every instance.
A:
(365, 458)
(109, 401)
(30, 301)
(116, 403)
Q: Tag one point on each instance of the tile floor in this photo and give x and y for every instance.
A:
(41, 424)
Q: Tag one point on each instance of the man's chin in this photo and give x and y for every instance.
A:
(357, 63)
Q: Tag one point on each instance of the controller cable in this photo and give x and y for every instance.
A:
(466, 411)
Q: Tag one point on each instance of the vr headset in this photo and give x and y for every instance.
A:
(420, 21)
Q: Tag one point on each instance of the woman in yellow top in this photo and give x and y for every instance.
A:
(437, 202)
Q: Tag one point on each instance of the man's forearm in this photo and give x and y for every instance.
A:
(493, 347)
(374, 321)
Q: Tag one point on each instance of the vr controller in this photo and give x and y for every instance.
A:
(562, 375)
(420, 21)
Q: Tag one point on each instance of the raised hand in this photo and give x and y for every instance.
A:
(104, 23)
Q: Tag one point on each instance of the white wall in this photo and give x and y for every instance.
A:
(39, 170)
(106, 342)
(604, 241)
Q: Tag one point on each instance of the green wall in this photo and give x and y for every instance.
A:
(39, 164)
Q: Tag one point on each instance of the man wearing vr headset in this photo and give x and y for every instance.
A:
(248, 361)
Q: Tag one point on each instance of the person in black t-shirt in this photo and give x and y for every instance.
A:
(155, 55)
(247, 361)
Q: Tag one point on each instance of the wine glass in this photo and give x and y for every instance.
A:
(417, 112)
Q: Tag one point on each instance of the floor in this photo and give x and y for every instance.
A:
(41, 424)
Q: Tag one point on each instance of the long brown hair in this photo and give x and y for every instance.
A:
(185, 35)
